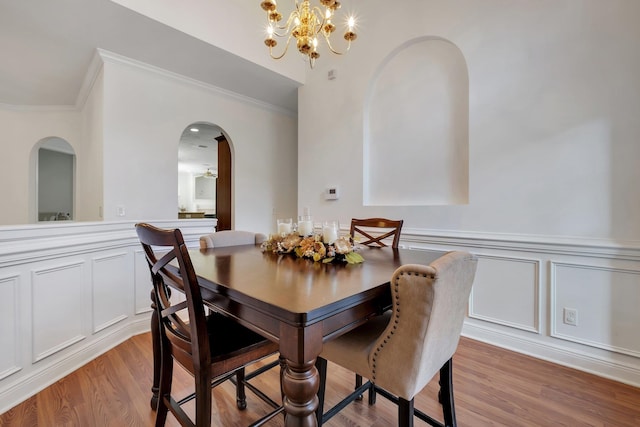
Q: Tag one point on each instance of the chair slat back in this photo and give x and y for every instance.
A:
(389, 227)
(185, 335)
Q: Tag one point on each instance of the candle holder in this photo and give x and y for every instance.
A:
(285, 226)
(330, 231)
(305, 225)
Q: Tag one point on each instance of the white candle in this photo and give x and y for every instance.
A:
(284, 228)
(330, 232)
(305, 228)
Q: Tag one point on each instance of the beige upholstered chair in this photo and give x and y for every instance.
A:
(401, 351)
(231, 238)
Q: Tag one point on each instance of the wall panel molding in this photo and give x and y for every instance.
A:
(143, 285)
(9, 325)
(612, 326)
(33, 261)
(57, 308)
(523, 310)
(611, 352)
(109, 287)
(70, 291)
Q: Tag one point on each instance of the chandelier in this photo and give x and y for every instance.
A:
(307, 25)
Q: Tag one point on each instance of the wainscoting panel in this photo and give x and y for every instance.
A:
(9, 326)
(58, 308)
(142, 283)
(110, 285)
(60, 282)
(607, 302)
(70, 292)
(517, 283)
(523, 283)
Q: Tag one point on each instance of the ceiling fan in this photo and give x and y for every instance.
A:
(209, 174)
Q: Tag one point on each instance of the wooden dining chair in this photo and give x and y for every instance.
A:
(389, 228)
(401, 350)
(213, 348)
(231, 238)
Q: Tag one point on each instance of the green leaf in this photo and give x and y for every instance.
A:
(353, 258)
(328, 260)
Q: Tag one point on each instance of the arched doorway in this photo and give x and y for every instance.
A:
(204, 174)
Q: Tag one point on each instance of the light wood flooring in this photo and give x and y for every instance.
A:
(492, 386)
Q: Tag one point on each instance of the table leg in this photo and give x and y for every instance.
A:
(300, 346)
(300, 383)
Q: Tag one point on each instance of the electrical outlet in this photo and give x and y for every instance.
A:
(571, 316)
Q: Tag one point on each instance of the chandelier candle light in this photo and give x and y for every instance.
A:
(306, 24)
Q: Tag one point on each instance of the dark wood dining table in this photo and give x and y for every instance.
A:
(298, 303)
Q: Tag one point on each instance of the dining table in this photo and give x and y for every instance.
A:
(296, 302)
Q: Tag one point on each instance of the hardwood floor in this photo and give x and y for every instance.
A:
(493, 387)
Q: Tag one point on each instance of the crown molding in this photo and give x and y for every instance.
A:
(90, 77)
(115, 58)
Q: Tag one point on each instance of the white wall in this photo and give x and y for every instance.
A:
(553, 212)
(20, 131)
(89, 164)
(554, 98)
(145, 112)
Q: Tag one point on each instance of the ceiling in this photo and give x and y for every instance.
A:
(46, 47)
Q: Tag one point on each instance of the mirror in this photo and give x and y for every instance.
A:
(197, 170)
(55, 180)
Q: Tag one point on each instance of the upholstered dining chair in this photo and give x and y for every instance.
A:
(389, 228)
(401, 351)
(213, 348)
(231, 238)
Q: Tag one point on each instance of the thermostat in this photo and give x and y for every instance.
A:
(331, 193)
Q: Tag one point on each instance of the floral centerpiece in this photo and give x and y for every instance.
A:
(312, 247)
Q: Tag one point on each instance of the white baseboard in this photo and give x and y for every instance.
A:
(28, 385)
(617, 371)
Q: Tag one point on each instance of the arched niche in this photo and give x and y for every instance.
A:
(416, 127)
(52, 185)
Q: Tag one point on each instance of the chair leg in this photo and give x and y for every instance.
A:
(358, 384)
(372, 395)
(241, 397)
(446, 394)
(203, 399)
(283, 366)
(164, 390)
(165, 380)
(321, 366)
(405, 413)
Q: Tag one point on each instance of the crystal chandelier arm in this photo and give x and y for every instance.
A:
(331, 47)
(287, 27)
(286, 47)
